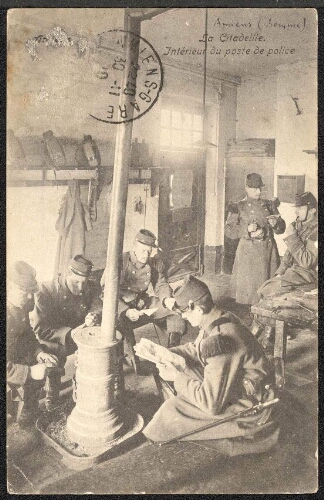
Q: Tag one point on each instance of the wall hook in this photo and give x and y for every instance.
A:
(296, 99)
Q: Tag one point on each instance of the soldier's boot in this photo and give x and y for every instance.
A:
(131, 357)
(28, 416)
(174, 339)
(52, 390)
(29, 409)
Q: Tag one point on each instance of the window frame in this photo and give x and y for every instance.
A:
(185, 110)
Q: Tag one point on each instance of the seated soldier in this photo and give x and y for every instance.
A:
(139, 273)
(298, 268)
(226, 372)
(62, 305)
(27, 360)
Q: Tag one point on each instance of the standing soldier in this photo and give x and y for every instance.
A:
(253, 220)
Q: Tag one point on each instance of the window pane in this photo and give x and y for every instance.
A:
(165, 137)
(197, 122)
(176, 119)
(165, 118)
(197, 138)
(187, 121)
(187, 138)
(176, 138)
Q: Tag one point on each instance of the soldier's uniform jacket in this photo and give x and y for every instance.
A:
(57, 311)
(138, 279)
(299, 263)
(226, 372)
(256, 259)
(246, 211)
(22, 347)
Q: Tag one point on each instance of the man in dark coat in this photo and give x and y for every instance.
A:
(226, 372)
(254, 221)
(27, 360)
(298, 268)
(62, 305)
(143, 285)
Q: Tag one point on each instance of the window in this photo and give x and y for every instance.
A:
(180, 129)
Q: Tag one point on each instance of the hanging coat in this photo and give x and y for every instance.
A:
(215, 384)
(71, 224)
(256, 260)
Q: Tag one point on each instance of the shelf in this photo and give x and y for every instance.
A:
(38, 176)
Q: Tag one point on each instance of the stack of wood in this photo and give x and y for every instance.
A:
(251, 147)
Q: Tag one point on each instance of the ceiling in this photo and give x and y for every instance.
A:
(281, 30)
(290, 29)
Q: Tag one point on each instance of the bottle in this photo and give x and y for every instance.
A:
(54, 149)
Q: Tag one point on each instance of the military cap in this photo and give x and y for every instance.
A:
(146, 237)
(23, 275)
(192, 291)
(81, 266)
(306, 198)
(254, 181)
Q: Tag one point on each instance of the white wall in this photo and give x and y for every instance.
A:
(256, 109)
(31, 235)
(295, 133)
(265, 109)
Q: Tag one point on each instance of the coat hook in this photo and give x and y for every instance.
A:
(296, 99)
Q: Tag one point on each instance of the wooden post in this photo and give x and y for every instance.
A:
(119, 198)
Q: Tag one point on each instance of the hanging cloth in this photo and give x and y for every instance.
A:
(72, 222)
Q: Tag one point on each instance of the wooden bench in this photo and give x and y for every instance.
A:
(279, 312)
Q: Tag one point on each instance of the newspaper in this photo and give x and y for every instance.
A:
(147, 349)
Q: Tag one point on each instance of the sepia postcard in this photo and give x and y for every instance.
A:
(162, 184)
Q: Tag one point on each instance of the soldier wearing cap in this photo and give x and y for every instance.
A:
(143, 285)
(298, 266)
(254, 220)
(62, 305)
(226, 371)
(27, 360)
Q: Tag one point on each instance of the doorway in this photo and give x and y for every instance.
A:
(181, 217)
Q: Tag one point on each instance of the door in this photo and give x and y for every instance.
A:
(181, 213)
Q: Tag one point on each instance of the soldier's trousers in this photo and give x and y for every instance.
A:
(24, 398)
(174, 322)
(53, 379)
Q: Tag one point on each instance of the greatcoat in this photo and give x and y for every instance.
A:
(256, 260)
(217, 383)
(57, 311)
(298, 266)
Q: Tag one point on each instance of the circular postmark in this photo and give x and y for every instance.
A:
(132, 83)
